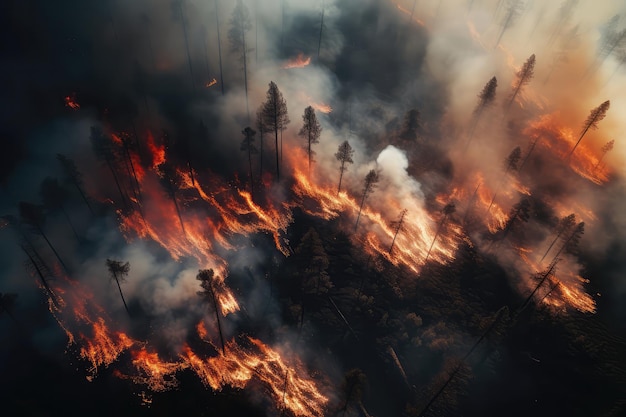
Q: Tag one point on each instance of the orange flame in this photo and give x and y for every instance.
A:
(157, 152)
(299, 61)
(211, 83)
(239, 366)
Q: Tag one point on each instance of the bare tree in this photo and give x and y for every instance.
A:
(522, 77)
(37, 264)
(261, 129)
(33, 215)
(54, 197)
(105, 151)
(275, 117)
(219, 44)
(118, 272)
(563, 228)
(319, 42)
(608, 147)
(447, 211)
(74, 177)
(207, 282)
(239, 26)
(172, 181)
(595, 116)
(397, 225)
(344, 155)
(352, 388)
(310, 131)
(371, 179)
(247, 145)
(186, 37)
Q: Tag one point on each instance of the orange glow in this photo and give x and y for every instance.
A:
(412, 243)
(156, 374)
(321, 107)
(104, 345)
(70, 101)
(299, 61)
(211, 83)
(408, 13)
(257, 362)
(560, 140)
(157, 152)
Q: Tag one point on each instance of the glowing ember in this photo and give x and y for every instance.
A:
(211, 83)
(156, 374)
(300, 61)
(70, 101)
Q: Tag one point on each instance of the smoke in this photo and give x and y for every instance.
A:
(128, 67)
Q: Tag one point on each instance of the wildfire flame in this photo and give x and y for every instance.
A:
(211, 83)
(299, 61)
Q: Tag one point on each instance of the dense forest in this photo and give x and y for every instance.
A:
(327, 208)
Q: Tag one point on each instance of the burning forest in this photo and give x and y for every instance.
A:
(333, 208)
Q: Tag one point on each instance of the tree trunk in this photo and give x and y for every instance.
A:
(219, 322)
(69, 221)
(40, 230)
(341, 170)
(119, 287)
(219, 45)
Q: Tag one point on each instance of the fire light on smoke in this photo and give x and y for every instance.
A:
(70, 101)
(299, 61)
(321, 107)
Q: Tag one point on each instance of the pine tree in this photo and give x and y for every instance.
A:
(595, 116)
(74, 177)
(247, 145)
(275, 117)
(118, 272)
(207, 282)
(485, 99)
(608, 147)
(448, 210)
(563, 227)
(344, 155)
(33, 215)
(310, 131)
(371, 179)
(523, 77)
(106, 151)
(397, 225)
